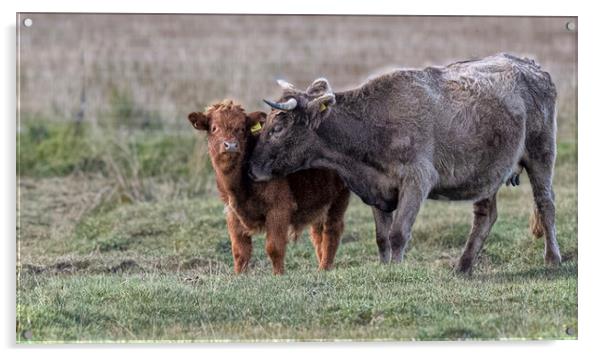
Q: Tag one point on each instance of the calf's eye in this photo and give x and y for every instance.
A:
(213, 129)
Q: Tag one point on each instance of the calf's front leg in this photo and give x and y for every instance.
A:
(242, 245)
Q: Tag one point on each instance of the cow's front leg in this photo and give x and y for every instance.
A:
(382, 222)
(413, 192)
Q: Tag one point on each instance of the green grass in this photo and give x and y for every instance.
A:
(98, 269)
(60, 148)
(370, 301)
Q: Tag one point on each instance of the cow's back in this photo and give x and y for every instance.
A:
(480, 137)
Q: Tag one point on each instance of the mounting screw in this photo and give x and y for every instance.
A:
(571, 26)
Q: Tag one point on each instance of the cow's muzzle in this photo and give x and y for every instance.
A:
(258, 174)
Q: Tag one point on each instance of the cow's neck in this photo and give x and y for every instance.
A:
(339, 151)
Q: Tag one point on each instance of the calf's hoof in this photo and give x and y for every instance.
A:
(324, 267)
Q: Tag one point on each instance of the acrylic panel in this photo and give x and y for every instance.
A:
(134, 225)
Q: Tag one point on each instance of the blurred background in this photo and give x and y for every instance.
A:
(158, 68)
(128, 81)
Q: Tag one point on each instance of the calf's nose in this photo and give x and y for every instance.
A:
(231, 146)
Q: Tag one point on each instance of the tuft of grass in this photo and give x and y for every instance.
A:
(55, 149)
(135, 160)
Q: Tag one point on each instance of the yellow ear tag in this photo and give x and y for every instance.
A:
(322, 107)
(256, 128)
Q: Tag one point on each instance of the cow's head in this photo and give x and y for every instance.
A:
(228, 130)
(288, 141)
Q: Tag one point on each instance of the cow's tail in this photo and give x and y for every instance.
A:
(536, 224)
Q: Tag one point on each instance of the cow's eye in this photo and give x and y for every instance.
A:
(214, 128)
(276, 129)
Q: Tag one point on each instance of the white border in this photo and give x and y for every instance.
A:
(590, 298)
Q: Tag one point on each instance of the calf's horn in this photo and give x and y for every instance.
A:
(288, 105)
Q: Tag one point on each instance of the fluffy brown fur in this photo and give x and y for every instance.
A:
(280, 207)
(536, 224)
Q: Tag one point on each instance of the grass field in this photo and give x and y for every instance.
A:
(121, 235)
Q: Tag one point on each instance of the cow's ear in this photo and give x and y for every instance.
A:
(199, 120)
(318, 88)
(319, 109)
(255, 121)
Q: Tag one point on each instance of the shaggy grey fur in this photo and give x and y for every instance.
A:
(450, 133)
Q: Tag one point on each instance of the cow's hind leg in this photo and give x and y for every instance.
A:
(485, 215)
(540, 176)
(382, 221)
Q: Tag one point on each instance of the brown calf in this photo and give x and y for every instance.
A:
(280, 207)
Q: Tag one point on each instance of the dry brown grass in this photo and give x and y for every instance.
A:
(172, 64)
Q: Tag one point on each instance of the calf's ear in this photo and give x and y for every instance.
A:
(199, 120)
(255, 121)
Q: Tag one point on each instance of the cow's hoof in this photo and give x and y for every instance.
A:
(464, 267)
(553, 260)
(385, 258)
(396, 260)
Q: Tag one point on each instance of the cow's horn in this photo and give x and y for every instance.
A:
(285, 85)
(288, 105)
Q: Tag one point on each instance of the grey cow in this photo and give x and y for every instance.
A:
(446, 133)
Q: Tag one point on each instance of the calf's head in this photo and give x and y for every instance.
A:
(229, 131)
(288, 140)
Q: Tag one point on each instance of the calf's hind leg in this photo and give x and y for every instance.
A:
(276, 239)
(485, 215)
(316, 239)
(334, 226)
